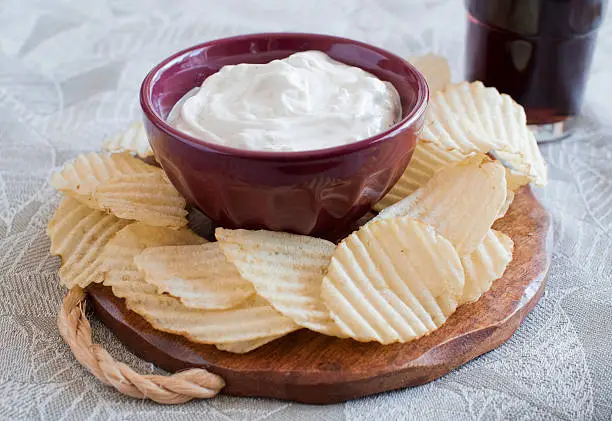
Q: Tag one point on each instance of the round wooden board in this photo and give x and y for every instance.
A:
(312, 368)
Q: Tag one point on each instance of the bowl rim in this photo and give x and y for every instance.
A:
(145, 102)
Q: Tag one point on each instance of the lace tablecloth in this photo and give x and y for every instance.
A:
(69, 76)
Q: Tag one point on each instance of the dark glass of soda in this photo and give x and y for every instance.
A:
(537, 51)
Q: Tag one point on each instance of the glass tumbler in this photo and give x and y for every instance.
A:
(538, 52)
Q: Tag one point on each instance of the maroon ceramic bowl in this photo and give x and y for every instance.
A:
(313, 192)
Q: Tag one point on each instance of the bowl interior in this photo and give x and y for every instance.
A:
(188, 69)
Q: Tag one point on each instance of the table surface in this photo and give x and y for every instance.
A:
(69, 77)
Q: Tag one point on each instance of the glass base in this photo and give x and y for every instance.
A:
(553, 132)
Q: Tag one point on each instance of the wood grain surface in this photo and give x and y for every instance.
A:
(312, 368)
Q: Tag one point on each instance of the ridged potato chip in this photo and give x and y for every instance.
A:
(461, 201)
(509, 199)
(513, 183)
(199, 276)
(459, 117)
(78, 234)
(435, 69)
(393, 280)
(427, 159)
(118, 254)
(471, 117)
(148, 198)
(520, 150)
(133, 140)
(246, 346)
(285, 269)
(485, 264)
(80, 178)
(251, 320)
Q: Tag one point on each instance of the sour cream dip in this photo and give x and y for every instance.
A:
(304, 102)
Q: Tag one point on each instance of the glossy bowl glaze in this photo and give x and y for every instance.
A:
(319, 192)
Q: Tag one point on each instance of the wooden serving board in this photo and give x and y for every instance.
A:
(312, 368)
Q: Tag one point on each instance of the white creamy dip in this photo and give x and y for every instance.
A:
(303, 102)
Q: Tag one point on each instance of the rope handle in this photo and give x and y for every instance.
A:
(174, 389)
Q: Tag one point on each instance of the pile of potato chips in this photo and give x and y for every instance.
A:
(399, 277)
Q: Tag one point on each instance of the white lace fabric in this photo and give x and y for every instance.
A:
(69, 77)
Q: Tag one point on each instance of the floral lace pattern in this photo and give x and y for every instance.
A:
(69, 77)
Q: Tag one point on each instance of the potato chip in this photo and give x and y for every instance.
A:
(133, 140)
(435, 69)
(118, 255)
(460, 117)
(80, 178)
(78, 234)
(470, 117)
(485, 264)
(147, 197)
(246, 346)
(461, 201)
(285, 269)
(513, 183)
(199, 276)
(520, 152)
(126, 288)
(394, 280)
(427, 159)
(509, 199)
(251, 320)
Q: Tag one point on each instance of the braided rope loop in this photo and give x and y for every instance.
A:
(174, 389)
